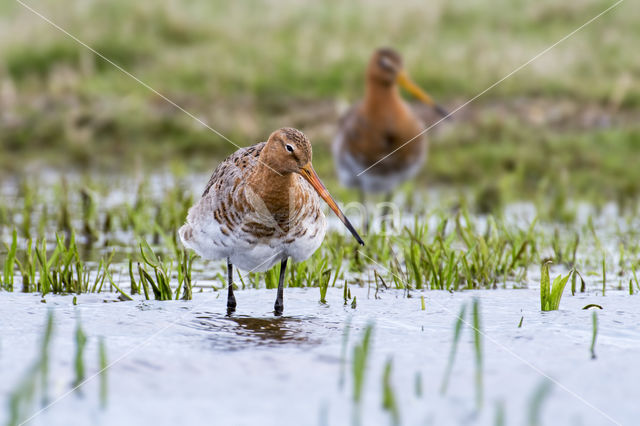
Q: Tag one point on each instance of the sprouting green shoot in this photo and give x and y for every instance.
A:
(102, 358)
(594, 334)
(477, 344)
(323, 285)
(10, 259)
(134, 286)
(388, 395)
(81, 341)
(360, 356)
(422, 304)
(454, 348)
(346, 292)
(550, 294)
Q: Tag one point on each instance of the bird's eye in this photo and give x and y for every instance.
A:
(386, 64)
(289, 148)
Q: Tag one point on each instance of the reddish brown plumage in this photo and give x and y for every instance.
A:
(259, 206)
(378, 126)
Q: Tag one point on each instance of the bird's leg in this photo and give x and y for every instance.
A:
(279, 305)
(231, 299)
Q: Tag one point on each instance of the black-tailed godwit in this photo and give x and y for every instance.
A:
(260, 207)
(380, 125)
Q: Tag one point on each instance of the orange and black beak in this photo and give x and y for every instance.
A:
(408, 84)
(310, 175)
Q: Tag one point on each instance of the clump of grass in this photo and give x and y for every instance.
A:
(462, 258)
(550, 294)
(160, 286)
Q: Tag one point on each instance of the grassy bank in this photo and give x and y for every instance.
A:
(251, 67)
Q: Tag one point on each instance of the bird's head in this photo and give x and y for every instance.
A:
(386, 69)
(288, 151)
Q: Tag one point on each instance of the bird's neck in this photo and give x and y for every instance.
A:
(379, 95)
(273, 188)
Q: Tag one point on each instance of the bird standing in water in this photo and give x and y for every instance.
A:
(260, 207)
(373, 133)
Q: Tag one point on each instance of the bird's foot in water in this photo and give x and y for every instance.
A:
(278, 308)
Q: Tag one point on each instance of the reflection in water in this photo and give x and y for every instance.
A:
(241, 332)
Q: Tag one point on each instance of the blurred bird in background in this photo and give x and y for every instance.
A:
(369, 148)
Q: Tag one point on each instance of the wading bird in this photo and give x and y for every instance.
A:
(372, 133)
(261, 207)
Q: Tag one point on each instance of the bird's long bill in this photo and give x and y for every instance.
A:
(310, 175)
(408, 84)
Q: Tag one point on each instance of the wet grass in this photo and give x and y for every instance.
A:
(129, 246)
(551, 293)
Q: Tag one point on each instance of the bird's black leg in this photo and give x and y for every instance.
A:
(279, 305)
(231, 299)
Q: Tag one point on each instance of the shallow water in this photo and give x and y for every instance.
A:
(186, 362)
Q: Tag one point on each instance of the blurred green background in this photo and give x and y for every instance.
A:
(568, 125)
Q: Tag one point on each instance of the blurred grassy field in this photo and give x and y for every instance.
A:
(246, 68)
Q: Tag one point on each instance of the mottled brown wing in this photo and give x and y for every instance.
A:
(234, 166)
